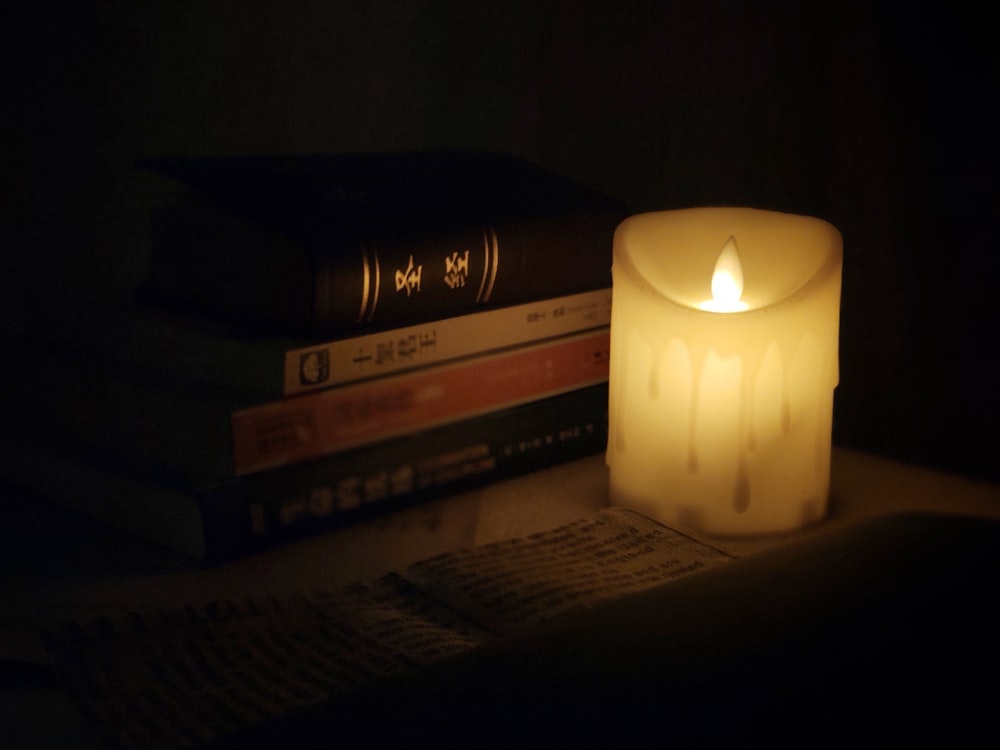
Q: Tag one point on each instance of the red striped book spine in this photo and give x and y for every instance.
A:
(324, 422)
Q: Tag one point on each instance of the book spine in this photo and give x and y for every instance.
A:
(315, 424)
(372, 355)
(330, 283)
(483, 267)
(269, 508)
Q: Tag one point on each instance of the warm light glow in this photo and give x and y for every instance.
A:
(727, 281)
(721, 421)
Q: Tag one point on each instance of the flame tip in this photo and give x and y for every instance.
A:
(727, 278)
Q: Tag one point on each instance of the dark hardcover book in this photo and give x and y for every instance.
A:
(226, 520)
(159, 423)
(329, 244)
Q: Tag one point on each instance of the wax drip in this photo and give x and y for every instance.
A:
(786, 403)
(654, 376)
(741, 492)
(620, 406)
(746, 405)
(820, 438)
(692, 463)
(741, 487)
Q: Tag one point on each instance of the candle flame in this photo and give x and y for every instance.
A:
(727, 281)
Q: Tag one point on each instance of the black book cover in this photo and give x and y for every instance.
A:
(271, 508)
(218, 521)
(335, 243)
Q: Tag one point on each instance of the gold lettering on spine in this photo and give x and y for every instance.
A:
(365, 283)
(491, 262)
(378, 282)
(369, 289)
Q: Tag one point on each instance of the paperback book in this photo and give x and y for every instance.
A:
(211, 352)
(291, 430)
(317, 336)
(223, 520)
(156, 423)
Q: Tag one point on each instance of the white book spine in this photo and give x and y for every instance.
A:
(400, 349)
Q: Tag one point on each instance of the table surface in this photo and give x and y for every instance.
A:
(58, 566)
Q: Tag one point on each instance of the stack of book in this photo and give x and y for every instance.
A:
(320, 338)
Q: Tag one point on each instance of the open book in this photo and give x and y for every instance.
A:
(182, 678)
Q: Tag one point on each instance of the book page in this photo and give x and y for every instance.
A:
(511, 585)
(182, 677)
(173, 678)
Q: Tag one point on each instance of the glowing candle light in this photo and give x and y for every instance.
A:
(727, 281)
(721, 409)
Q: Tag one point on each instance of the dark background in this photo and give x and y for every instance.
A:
(874, 116)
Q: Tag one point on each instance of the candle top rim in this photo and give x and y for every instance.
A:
(672, 253)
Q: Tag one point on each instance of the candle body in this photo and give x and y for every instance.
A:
(721, 421)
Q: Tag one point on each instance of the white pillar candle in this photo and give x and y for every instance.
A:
(724, 334)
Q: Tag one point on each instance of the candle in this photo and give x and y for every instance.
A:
(724, 333)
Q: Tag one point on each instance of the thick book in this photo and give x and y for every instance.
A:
(156, 423)
(323, 244)
(221, 521)
(296, 429)
(354, 358)
(272, 366)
